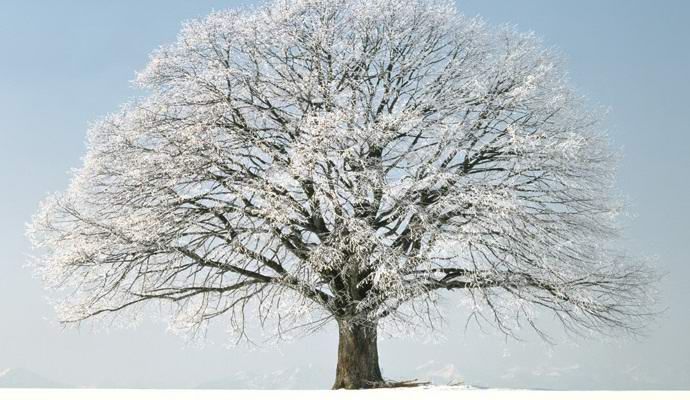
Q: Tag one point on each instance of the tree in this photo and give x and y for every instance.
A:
(351, 161)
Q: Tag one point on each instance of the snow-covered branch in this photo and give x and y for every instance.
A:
(341, 159)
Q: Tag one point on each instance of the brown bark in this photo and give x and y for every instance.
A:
(358, 357)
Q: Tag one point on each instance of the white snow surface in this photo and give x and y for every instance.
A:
(433, 392)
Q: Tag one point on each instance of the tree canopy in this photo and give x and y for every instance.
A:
(350, 160)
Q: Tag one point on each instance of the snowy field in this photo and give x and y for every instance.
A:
(414, 393)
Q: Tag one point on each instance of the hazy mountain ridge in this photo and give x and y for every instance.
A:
(301, 377)
(21, 378)
(316, 377)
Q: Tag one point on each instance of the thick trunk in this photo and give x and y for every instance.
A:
(358, 357)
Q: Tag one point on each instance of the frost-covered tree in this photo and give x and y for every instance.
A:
(351, 161)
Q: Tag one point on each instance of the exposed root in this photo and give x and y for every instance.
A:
(399, 384)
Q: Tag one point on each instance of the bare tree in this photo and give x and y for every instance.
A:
(351, 161)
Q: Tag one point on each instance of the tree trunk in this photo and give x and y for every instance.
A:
(358, 357)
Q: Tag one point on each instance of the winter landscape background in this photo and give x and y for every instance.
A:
(67, 63)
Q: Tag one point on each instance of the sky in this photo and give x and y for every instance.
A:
(65, 64)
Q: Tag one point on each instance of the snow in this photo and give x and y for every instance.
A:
(15, 383)
(436, 393)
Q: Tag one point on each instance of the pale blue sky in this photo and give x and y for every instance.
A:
(63, 64)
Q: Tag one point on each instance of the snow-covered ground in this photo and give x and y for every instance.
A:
(435, 393)
(17, 384)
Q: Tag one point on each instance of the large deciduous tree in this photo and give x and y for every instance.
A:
(349, 161)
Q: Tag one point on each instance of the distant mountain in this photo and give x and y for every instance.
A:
(438, 373)
(303, 377)
(313, 377)
(21, 378)
(309, 377)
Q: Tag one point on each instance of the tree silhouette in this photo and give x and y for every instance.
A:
(351, 161)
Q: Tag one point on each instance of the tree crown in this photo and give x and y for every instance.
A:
(345, 159)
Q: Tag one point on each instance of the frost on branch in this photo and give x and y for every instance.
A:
(349, 160)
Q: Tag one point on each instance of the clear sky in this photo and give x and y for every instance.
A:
(63, 64)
